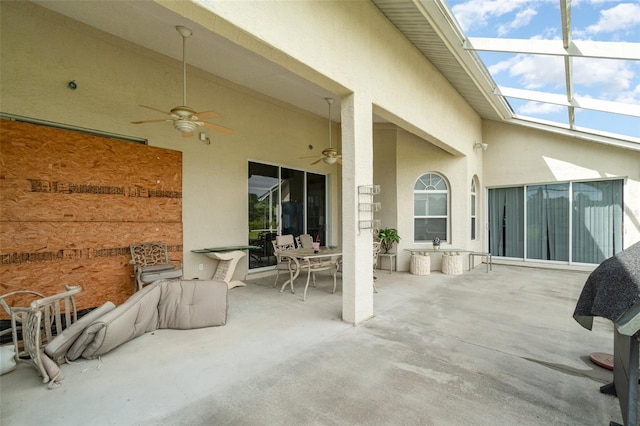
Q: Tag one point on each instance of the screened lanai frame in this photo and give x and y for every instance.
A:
(567, 107)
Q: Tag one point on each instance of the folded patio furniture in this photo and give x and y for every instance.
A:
(40, 323)
(175, 304)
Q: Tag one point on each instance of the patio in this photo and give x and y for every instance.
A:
(497, 348)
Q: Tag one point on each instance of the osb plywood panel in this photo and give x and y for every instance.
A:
(71, 204)
(93, 255)
(54, 174)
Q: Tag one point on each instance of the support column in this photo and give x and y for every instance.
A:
(357, 170)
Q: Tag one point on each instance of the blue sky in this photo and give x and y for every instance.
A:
(596, 20)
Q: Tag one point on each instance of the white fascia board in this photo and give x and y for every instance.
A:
(587, 49)
(437, 13)
(632, 110)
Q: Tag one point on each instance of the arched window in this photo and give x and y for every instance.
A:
(474, 209)
(430, 208)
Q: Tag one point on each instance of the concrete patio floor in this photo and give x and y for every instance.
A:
(498, 348)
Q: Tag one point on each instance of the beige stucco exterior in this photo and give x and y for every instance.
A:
(347, 47)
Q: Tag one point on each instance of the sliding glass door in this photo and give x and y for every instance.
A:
(283, 201)
(579, 222)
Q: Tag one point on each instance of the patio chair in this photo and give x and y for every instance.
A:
(40, 323)
(8, 301)
(151, 263)
(282, 243)
(376, 251)
(306, 241)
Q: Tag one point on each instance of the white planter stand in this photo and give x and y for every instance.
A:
(452, 264)
(420, 264)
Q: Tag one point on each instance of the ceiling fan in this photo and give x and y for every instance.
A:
(329, 155)
(185, 119)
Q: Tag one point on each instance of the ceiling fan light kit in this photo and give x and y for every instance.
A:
(185, 119)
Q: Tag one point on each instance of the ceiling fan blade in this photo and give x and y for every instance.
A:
(150, 121)
(208, 114)
(155, 109)
(339, 160)
(310, 156)
(217, 128)
(187, 134)
(317, 161)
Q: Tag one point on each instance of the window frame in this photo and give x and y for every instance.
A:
(474, 210)
(447, 217)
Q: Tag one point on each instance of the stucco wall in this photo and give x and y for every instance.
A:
(416, 157)
(114, 77)
(384, 173)
(518, 156)
(349, 46)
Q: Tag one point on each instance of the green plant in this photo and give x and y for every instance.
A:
(387, 237)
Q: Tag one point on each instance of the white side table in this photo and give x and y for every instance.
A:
(392, 260)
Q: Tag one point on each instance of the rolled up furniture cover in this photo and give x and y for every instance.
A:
(176, 304)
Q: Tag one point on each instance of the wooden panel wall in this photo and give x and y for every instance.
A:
(72, 203)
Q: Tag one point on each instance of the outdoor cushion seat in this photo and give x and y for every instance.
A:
(150, 275)
(175, 304)
(157, 268)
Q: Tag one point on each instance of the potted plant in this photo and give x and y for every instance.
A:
(387, 237)
(436, 243)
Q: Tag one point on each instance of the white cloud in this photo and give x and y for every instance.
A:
(630, 97)
(538, 108)
(609, 76)
(533, 72)
(621, 17)
(522, 19)
(475, 13)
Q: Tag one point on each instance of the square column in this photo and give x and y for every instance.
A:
(357, 246)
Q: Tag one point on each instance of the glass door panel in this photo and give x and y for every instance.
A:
(548, 222)
(292, 198)
(263, 206)
(506, 222)
(316, 207)
(597, 220)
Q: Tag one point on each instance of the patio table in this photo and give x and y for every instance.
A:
(306, 259)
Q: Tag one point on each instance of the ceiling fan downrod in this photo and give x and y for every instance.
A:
(329, 101)
(184, 32)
